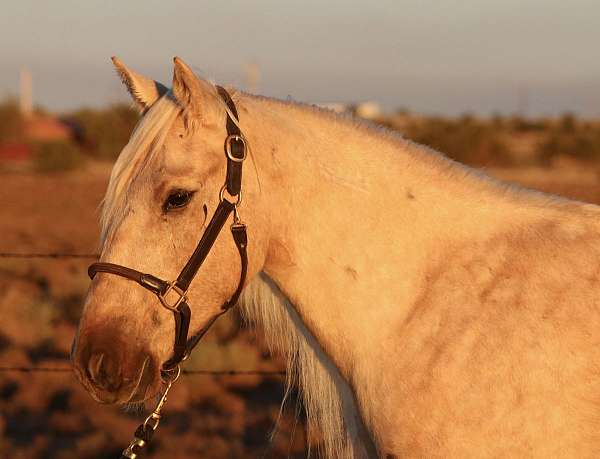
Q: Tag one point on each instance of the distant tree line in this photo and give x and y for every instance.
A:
(101, 133)
(502, 140)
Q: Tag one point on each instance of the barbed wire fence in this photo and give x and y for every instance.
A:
(48, 255)
(65, 369)
(183, 372)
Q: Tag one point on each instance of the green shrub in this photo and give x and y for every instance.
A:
(11, 123)
(466, 139)
(521, 125)
(105, 132)
(56, 156)
(570, 137)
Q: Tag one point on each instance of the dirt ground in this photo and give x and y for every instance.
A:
(48, 415)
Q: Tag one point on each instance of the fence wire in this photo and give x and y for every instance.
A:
(15, 369)
(40, 369)
(48, 255)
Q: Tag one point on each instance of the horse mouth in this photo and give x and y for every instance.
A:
(143, 388)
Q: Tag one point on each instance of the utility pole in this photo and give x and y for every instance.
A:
(25, 93)
(252, 77)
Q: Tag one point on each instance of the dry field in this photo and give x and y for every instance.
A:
(48, 415)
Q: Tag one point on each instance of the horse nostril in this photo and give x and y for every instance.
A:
(95, 365)
(104, 372)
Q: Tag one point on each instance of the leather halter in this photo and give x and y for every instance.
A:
(173, 295)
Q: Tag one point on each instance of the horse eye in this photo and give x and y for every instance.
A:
(177, 200)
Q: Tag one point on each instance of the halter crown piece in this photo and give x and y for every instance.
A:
(173, 294)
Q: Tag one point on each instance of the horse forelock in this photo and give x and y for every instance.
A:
(146, 140)
(144, 144)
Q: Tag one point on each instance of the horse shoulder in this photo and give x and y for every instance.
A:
(503, 341)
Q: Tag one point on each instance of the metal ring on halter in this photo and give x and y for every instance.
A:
(169, 379)
(222, 196)
(163, 297)
(237, 138)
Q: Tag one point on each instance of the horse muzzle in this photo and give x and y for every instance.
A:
(111, 371)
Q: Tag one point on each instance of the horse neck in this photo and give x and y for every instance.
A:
(353, 215)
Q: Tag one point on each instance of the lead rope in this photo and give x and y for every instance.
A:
(143, 434)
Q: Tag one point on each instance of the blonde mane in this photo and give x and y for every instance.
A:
(328, 401)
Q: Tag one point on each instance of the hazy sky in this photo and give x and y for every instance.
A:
(431, 56)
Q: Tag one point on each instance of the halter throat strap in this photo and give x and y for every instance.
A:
(173, 295)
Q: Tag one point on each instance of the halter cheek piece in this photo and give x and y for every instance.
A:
(173, 295)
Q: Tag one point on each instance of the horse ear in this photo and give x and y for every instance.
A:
(144, 91)
(192, 92)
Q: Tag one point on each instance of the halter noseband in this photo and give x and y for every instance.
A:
(173, 295)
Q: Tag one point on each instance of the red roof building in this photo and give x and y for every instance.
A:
(46, 129)
(37, 128)
(17, 152)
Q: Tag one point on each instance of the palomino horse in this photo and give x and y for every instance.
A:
(425, 310)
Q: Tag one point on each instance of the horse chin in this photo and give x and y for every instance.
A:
(142, 393)
(148, 385)
(138, 396)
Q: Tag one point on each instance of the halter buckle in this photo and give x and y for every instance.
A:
(238, 197)
(181, 297)
(230, 156)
